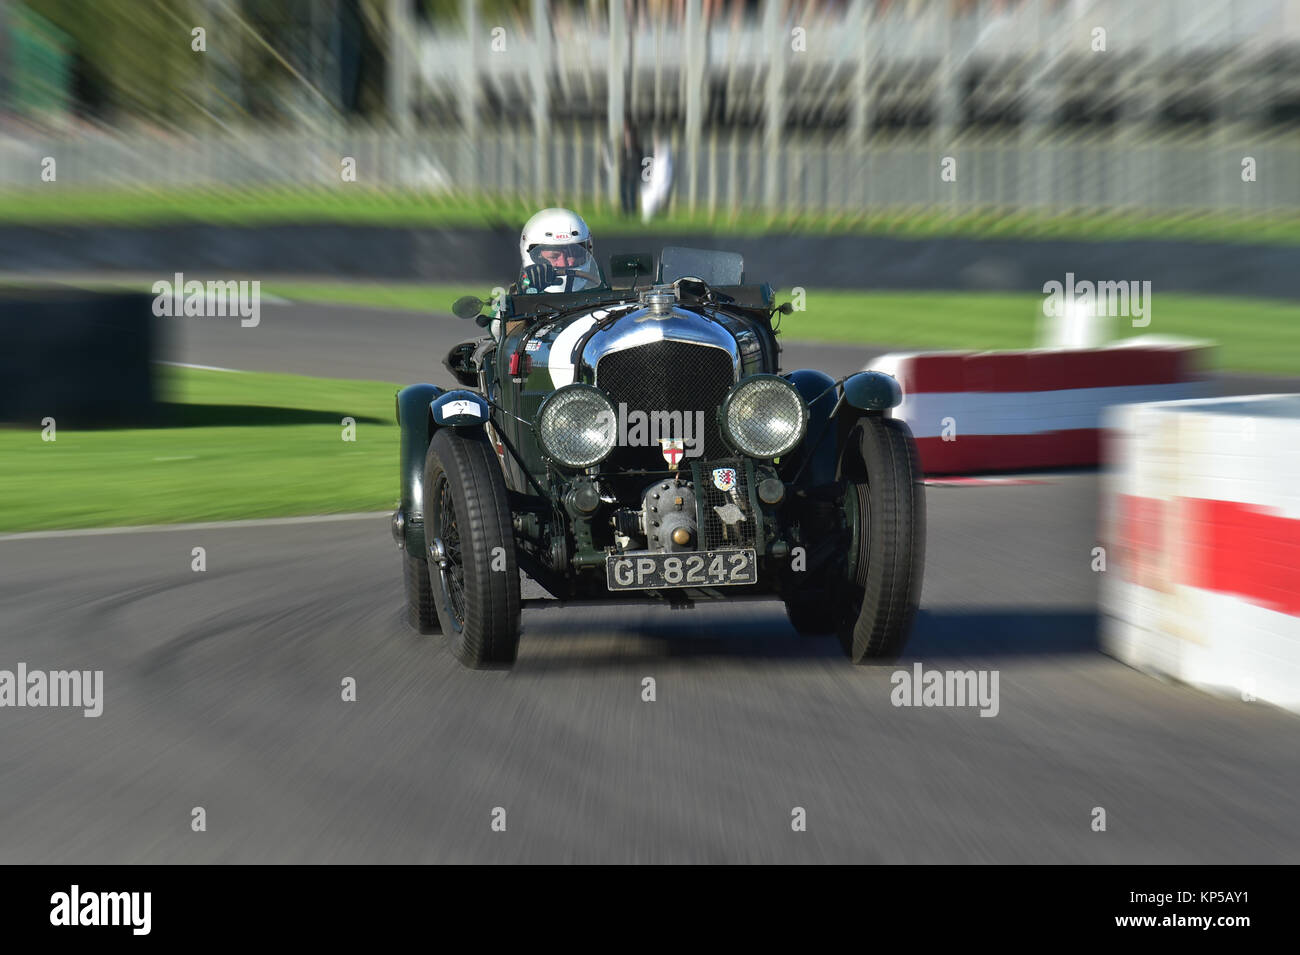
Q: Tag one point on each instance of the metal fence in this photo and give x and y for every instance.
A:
(818, 173)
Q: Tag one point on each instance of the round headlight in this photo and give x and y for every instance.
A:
(577, 426)
(764, 417)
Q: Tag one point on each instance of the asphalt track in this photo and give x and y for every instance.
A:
(222, 690)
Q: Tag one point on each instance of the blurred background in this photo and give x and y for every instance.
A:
(831, 110)
(912, 173)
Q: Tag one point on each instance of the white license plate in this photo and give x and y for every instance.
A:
(711, 568)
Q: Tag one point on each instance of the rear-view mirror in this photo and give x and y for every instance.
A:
(467, 306)
(630, 265)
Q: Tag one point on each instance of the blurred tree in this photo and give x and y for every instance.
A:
(448, 11)
(131, 57)
(288, 62)
(38, 64)
(310, 61)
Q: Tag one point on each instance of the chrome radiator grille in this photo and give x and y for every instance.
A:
(667, 376)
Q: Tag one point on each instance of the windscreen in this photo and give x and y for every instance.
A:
(715, 268)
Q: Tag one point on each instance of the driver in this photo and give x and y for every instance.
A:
(556, 252)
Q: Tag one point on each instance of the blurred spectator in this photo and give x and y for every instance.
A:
(655, 192)
(629, 169)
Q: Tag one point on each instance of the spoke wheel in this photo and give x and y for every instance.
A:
(471, 552)
(452, 570)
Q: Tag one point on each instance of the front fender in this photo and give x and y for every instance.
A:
(460, 409)
(865, 393)
(872, 391)
(422, 410)
(413, 417)
(818, 454)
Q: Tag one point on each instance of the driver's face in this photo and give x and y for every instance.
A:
(561, 258)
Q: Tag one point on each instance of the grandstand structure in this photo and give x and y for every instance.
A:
(783, 102)
(820, 105)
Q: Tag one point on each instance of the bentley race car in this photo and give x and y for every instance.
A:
(641, 442)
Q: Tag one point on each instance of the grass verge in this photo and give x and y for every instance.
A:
(1252, 334)
(60, 205)
(229, 446)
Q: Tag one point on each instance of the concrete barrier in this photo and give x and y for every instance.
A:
(1201, 530)
(1017, 410)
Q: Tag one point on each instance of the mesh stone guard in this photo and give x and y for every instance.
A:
(714, 534)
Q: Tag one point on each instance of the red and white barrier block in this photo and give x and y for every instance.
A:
(1013, 410)
(1201, 530)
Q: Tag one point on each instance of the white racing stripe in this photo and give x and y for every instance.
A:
(1026, 412)
(205, 526)
(560, 362)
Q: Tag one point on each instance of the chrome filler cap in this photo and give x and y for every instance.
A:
(659, 299)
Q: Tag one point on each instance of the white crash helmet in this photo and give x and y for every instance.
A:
(560, 230)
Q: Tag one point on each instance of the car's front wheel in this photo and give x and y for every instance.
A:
(814, 609)
(421, 613)
(884, 517)
(473, 573)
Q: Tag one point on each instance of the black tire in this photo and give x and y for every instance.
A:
(884, 509)
(476, 592)
(813, 608)
(421, 613)
(812, 618)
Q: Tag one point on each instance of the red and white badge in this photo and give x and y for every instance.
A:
(724, 479)
(673, 450)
